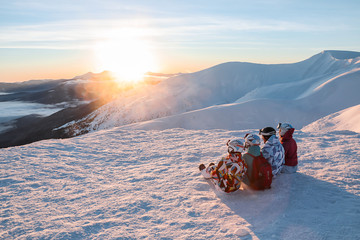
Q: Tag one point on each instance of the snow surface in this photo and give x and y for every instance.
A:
(348, 119)
(137, 184)
(309, 90)
(141, 181)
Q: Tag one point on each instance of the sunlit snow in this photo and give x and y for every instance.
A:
(141, 180)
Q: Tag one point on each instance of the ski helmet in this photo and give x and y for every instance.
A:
(235, 146)
(252, 140)
(267, 131)
(284, 127)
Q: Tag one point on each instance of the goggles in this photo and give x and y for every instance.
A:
(232, 150)
(261, 132)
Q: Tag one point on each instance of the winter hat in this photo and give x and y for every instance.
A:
(235, 146)
(284, 127)
(252, 140)
(267, 131)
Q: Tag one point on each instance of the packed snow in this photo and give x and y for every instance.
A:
(141, 180)
(143, 184)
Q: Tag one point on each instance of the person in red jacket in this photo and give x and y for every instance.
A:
(286, 138)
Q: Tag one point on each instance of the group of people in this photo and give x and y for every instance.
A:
(280, 152)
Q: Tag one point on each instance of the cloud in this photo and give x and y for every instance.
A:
(83, 33)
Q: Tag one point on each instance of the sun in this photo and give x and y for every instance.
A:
(128, 58)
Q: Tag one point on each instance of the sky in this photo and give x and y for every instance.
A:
(63, 39)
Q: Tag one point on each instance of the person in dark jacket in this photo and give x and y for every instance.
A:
(286, 138)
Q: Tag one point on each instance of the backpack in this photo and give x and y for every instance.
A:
(261, 173)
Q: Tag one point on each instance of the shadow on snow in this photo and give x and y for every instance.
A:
(298, 207)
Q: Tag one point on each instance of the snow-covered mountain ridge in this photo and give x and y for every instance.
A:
(269, 91)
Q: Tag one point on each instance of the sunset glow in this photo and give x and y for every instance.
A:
(128, 58)
(68, 38)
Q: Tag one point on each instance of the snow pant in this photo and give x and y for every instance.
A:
(224, 179)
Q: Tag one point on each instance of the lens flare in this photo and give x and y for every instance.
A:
(127, 58)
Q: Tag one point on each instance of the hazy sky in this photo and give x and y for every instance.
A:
(61, 39)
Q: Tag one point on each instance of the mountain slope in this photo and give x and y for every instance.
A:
(335, 94)
(348, 119)
(311, 87)
(68, 99)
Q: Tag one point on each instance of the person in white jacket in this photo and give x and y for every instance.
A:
(272, 150)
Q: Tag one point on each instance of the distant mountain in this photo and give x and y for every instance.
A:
(237, 95)
(103, 76)
(32, 85)
(32, 128)
(78, 97)
(233, 96)
(87, 87)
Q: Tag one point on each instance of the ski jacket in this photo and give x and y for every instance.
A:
(228, 173)
(248, 160)
(290, 148)
(274, 152)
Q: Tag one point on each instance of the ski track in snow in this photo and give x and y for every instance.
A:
(136, 184)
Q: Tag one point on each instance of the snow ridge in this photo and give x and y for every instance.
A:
(345, 120)
(311, 87)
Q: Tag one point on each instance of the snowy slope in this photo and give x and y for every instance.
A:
(248, 115)
(237, 82)
(135, 184)
(348, 119)
(336, 93)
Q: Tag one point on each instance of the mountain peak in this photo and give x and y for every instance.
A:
(105, 75)
(337, 54)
